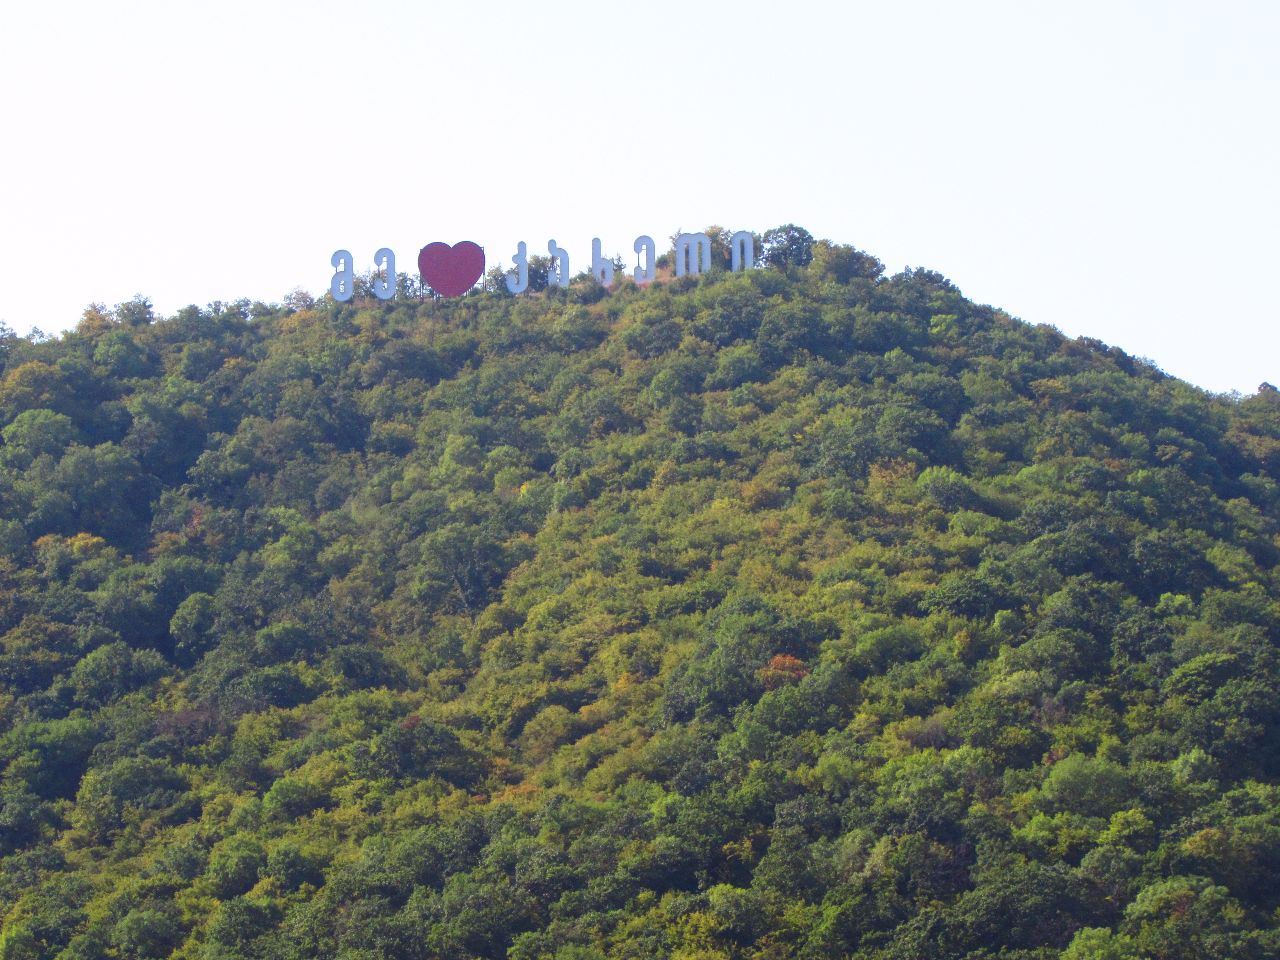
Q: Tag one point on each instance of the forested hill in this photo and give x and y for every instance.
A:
(796, 613)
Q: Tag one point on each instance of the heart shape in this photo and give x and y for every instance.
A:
(451, 271)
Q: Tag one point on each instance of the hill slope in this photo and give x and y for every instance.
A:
(796, 613)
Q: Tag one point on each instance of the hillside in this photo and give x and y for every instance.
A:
(797, 613)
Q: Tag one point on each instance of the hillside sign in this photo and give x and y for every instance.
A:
(453, 270)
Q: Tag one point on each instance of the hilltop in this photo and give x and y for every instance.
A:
(800, 612)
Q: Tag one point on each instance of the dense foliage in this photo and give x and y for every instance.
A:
(803, 612)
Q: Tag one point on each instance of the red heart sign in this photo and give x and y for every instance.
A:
(451, 271)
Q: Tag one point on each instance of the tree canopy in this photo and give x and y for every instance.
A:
(798, 612)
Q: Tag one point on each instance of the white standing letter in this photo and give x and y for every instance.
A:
(742, 247)
(601, 268)
(341, 286)
(692, 246)
(558, 272)
(644, 273)
(518, 282)
(385, 289)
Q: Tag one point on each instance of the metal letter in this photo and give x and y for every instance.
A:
(689, 246)
(601, 268)
(558, 272)
(742, 247)
(341, 286)
(518, 281)
(385, 288)
(644, 273)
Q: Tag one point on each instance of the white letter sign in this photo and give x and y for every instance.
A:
(601, 268)
(693, 247)
(518, 282)
(558, 272)
(644, 273)
(385, 289)
(340, 286)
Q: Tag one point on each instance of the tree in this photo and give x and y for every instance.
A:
(191, 627)
(151, 931)
(234, 866)
(135, 313)
(788, 246)
(37, 432)
(111, 671)
(34, 385)
(127, 790)
(843, 263)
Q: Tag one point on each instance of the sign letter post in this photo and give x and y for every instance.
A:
(693, 247)
(341, 286)
(742, 247)
(518, 282)
(645, 272)
(601, 268)
(558, 272)
(385, 288)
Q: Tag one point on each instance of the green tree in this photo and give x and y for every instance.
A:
(788, 246)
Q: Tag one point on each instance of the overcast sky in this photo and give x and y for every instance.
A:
(1108, 168)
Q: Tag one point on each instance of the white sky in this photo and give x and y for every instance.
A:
(1108, 168)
